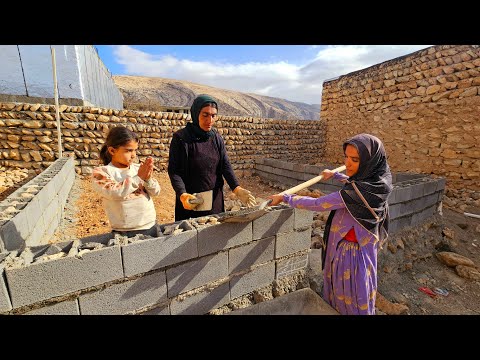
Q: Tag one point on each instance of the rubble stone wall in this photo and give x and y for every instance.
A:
(28, 135)
(424, 106)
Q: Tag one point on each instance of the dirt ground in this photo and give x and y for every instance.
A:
(85, 217)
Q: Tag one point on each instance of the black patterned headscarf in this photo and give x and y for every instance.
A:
(374, 182)
(194, 128)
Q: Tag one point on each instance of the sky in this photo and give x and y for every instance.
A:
(290, 72)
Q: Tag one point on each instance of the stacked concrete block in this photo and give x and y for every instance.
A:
(259, 277)
(45, 280)
(5, 303)
(69, 307)
(150, 254)
(195, 273)
(189, 272)
(212, 239)
(39, 207)
(202, 302)
(125, 297)
(414, 198)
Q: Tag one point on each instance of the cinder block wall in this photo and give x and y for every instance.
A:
(415, 197)
(30, 215)
(28, 135)
(424, 107)
(193, 272)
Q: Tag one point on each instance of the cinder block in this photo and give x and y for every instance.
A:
(202, 302)
(223, 236)
(21, 223)
(291, 265)
(258, 160)
(416, 190)
(441, 184)
(11, 236)
(264, 169)
(403, 194)
(145, 255)
(399, 224)
(125, 297)
(160, 310)
(255, 279)
(273, 222)
(394, 211)
(292, 242)
(195, 273)
(42, 281)
(429, 187)
(313, 170)
(32, 212)
(5, 303)
(37, 233)
(245, 256)
(430, 200)
(69, 307)
(393, 195)
(439, 196)
(302, 218)
(299, 168)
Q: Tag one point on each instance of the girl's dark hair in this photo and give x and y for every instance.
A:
(117, 136)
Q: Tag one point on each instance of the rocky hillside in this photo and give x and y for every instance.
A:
(148, 93)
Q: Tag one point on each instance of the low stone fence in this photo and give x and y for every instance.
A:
(415, 197)
(192, 270)
(31, 214)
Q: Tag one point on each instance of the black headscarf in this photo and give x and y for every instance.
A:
(196, 132)
(374, 181)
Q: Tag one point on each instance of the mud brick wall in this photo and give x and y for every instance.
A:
(28, 135)
(424, 107)
(193, 272)
(414, 199)
(31, 214)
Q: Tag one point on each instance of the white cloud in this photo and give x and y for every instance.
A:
(277, 79)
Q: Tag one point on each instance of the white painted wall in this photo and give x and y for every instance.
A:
(11, 76)
(27, 70)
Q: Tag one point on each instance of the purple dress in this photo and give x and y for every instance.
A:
(350, 273)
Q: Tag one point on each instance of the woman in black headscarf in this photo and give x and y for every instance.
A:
(356, 226)
(198, 162)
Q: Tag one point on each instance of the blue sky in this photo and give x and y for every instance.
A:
(291, 72)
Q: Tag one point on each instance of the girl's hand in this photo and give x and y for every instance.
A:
(145, 171)
(327, 174)
(276, 199)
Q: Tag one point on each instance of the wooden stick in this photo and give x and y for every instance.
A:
(57, 111)
(310, 182)
(472, 215)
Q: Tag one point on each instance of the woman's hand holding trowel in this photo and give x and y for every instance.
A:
(189, 201)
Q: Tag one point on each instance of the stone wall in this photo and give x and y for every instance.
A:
(424, 106)
(28, 135)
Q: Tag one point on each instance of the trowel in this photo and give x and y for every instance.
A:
(204, 200)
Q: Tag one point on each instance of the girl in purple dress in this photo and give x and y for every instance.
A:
(356, 227)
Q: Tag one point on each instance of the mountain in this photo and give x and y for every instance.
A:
(150, 93)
